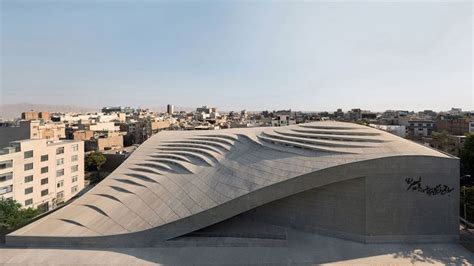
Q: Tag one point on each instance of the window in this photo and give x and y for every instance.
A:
(75, 147)
(6, 176)
(28, 190)
(60, 150)
(59, 172)
(28, 178)
(44, 169)
(60, 195)
(44, 158)
(28, 154)
(6, 164)
(74, 179)
(6, 189)
(28, 166)
(44, 181)
(74, 189)
(60, 161)
(28, 202)
(44, 192)
(74, 168)
(74, 158)
(60, 184)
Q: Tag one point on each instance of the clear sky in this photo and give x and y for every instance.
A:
(238, 55)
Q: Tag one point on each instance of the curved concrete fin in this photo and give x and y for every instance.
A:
(175, 165)
(310, 141)
(145, 169)
(206, 153)
(130, 182)
(193, 157)
(191, 145)
(143, 177)
(294, 144)
(219, 146)
(336, 137)
(335, 132)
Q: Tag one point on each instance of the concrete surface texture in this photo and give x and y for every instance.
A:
(179, 182)
(302, 249)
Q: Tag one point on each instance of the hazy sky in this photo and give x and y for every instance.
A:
(238, 55)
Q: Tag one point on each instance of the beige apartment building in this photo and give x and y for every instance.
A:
(40, 173)
(47, 130)
(32, 129)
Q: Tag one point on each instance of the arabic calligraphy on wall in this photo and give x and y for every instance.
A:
(415, 185)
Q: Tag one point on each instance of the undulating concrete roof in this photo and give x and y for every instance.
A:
(177, 174)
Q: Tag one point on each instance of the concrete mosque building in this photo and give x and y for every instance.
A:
(249, 186)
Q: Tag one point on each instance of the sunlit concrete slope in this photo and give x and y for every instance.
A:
(178, 182)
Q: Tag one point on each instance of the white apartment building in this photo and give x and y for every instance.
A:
(282, 120)
(105, 126)
(40, 173)
(394, 129)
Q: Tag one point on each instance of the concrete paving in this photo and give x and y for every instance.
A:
(302, 249)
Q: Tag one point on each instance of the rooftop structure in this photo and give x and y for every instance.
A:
(338, 179)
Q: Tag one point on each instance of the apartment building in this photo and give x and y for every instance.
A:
(39, 129)
(454, 126)
(31, 129)
(416, 129)
(40, 173)
(282, 120)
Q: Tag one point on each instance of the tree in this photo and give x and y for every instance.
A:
(95, 160)
(442, 141)
(467, 156)
(12, 216)
(467, 197)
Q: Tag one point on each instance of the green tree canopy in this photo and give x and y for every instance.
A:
(467, 156)
(95, 160)
(13, 216)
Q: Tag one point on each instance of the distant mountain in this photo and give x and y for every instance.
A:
(12, 111)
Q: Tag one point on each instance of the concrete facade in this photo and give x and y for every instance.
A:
(339, 179)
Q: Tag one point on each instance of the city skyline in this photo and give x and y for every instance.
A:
(13, 111)
(304, 56)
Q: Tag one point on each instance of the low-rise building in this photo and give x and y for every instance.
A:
(40, 173)
(105, 141)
